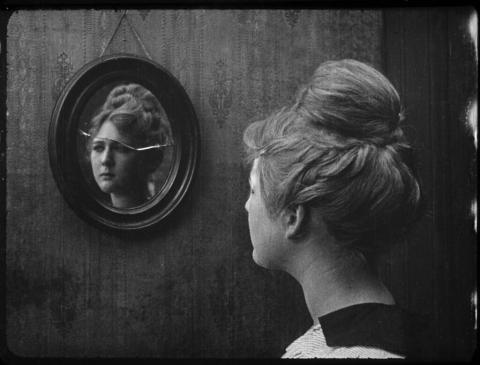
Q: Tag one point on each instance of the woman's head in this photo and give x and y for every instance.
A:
(341, 153)
(130, 117)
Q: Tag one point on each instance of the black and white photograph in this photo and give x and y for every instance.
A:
(238, 182)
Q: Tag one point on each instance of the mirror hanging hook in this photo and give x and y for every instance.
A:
(132, 29)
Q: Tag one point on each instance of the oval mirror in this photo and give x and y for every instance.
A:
(123, 142)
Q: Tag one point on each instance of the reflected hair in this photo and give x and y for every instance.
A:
(340, 151)
(136, 112)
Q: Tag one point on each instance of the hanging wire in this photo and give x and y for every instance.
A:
(132, 29)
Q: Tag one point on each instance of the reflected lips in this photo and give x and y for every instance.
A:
(107, 175)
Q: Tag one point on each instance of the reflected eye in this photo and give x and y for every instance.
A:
(98, 147)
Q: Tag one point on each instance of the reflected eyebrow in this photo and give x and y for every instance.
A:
(102, 140)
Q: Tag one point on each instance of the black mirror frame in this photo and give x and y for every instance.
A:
(63, 133)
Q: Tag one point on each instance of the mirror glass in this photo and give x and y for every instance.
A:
(124, 145)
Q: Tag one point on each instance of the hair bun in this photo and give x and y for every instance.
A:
(323, 153)
(353, 100)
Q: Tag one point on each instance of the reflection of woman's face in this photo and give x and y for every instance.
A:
(114, 166)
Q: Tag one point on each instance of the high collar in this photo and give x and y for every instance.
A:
(372, 324)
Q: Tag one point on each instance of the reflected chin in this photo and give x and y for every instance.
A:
(105, 186)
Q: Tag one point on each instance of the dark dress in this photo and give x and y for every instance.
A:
(368, 330)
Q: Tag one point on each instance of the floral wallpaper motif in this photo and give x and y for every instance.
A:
(252, 19)
(144, 13)
(25, 68)
(64, 69)
(291, 17)
(220, 98)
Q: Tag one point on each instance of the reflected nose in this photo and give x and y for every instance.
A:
(246, 204)
(107, 157)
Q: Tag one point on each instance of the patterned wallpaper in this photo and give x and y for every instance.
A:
(192, 290)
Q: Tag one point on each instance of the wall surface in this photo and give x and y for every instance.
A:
(192, 289)
(430, 57)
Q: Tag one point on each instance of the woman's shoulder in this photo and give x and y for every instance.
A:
(368, 330)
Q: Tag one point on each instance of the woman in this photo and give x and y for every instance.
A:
(332, 186)
(125, 144)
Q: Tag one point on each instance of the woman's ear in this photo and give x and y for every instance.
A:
(295, 219)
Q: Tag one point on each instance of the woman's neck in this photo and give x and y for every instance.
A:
(135, 198)
(330, 282)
